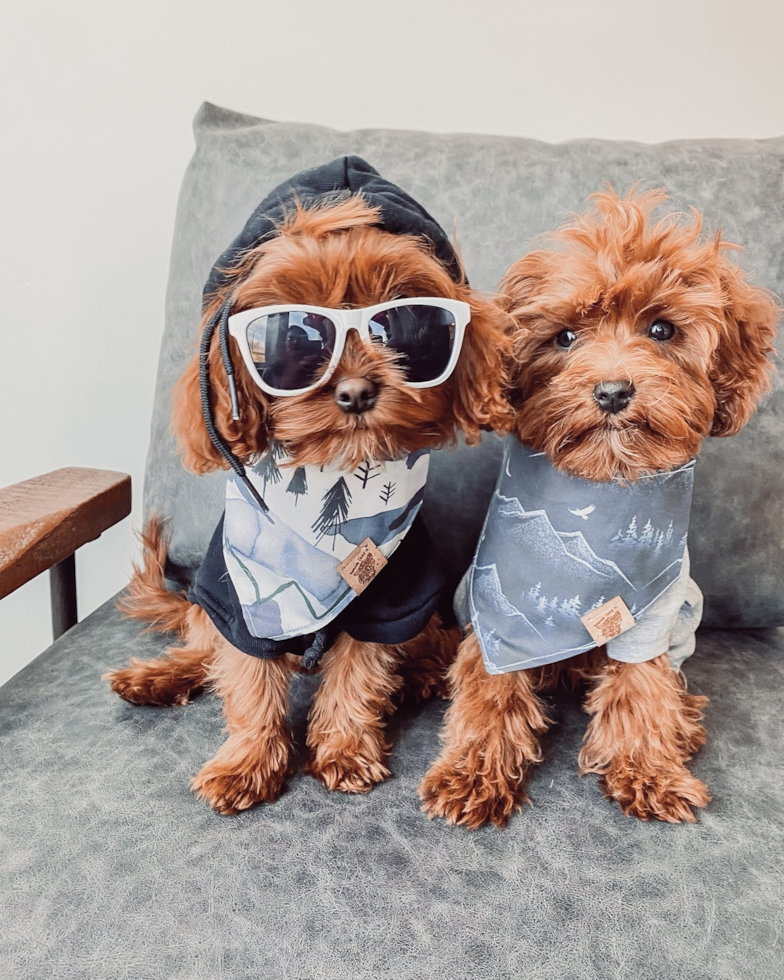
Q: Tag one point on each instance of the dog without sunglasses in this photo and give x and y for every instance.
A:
(635, 339)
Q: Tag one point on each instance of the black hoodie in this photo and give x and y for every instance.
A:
(400, 601)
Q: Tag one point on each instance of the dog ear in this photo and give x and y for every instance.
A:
(741, 367)
(246, 438)
(480, 379)
(523, 278)
(521, 295)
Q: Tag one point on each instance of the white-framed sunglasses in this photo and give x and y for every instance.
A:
(292, 348)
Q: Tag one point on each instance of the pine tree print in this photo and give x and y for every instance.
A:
(629, 536)
(535, 591)
(413, 457)
(298, 484)
(333, 512)
(365, 473)
(388, 492)
(268, 470)
(571, 606)
(647, 533)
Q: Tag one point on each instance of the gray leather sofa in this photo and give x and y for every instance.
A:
(111, 868)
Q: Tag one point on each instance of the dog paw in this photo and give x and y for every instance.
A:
(669, 796)
(347, 772)
(150, 683)
(463, 796)
(231, 789)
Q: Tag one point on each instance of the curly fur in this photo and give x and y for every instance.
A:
(615, 270)
(608, 275)
(334, 256)
(147, 596)
(331, 256)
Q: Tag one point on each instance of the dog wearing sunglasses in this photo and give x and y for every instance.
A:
(635, 339)
(330, 365)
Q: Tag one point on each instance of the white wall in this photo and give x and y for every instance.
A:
(97, 99)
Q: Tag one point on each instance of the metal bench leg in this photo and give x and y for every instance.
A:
(62, 588)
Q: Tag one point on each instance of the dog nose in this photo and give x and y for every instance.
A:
(356, 395)
(613, 396)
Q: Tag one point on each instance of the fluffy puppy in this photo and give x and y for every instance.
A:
(635, 339)
(334, 253)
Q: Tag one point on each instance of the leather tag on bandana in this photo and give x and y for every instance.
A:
(362, 565)
(608, 620)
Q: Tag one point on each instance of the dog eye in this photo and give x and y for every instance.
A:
(661, 330)
(565, 338)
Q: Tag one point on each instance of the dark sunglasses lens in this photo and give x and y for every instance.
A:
(291, 350)
(422, 336)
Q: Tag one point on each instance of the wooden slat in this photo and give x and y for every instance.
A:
(45, 519)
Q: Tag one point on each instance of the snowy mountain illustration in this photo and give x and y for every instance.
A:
(275, 605)
(666, 575)
(533, 531)
(313, 568)
(487, 588)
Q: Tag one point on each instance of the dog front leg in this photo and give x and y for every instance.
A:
(490, 741)
(251, 765)
(644, 727)
(346, 721)
(425, 661)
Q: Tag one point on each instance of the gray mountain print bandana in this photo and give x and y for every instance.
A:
(284, 565)
(554, 547)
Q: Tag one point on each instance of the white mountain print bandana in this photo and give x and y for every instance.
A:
(554, 547)
(283, 565)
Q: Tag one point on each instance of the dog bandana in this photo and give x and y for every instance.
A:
(555, 547)
(284, 564)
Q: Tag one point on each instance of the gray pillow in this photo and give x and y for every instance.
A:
(499, 192)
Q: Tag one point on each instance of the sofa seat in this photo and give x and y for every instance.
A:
(113, 869)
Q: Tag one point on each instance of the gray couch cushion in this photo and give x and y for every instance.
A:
(501, 192)
(111, 868)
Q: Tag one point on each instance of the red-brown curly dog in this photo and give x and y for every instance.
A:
(652, 306)
(330, 256)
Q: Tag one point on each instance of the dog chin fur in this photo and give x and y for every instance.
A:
(331, 256)
(607, 277)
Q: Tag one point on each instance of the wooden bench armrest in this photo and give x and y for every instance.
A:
(44, 520)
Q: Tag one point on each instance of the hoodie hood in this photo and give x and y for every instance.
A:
(344, 177)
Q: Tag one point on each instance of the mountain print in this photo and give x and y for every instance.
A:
(533, 532)
(554, 547)
(283, 562)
